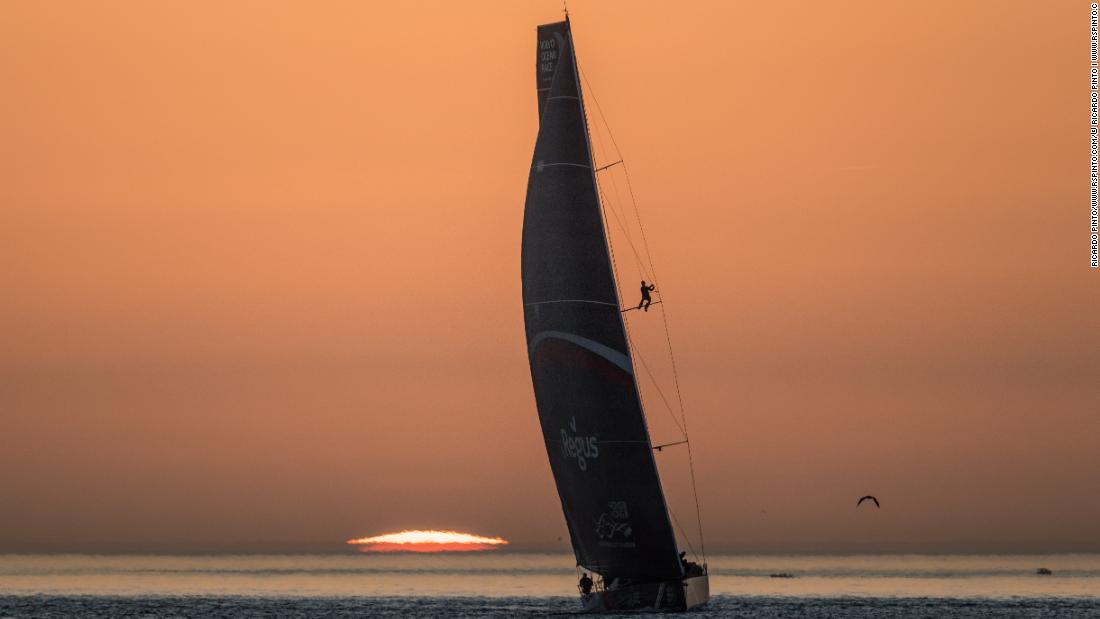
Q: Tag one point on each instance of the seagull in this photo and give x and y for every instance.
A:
(862, 499)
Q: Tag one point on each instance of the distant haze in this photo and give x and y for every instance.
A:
(260, 277)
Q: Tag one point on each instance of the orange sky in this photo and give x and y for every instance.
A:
(261, 269)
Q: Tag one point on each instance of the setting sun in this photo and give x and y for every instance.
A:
(427, 541)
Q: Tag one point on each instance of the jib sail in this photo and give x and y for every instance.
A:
(585, 389)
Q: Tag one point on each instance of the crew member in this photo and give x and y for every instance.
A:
(646, 300)
(585, 584)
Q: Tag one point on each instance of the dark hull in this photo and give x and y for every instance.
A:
(668, 596)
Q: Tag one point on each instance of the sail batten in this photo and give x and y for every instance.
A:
(587, 397)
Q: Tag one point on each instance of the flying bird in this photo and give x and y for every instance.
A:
(862, 499)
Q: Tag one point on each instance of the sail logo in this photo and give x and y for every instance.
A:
(548, 54)
(580, 448)
(614, 523)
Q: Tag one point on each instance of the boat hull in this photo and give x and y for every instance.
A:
(669, 596)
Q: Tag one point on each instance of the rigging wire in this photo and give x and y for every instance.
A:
(639, 265)
(604, 205)
(626, 326)
(618, 198)
(656, 385)
(687, 538)
(663, 312)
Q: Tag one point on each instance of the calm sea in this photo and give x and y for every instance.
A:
(510, 584)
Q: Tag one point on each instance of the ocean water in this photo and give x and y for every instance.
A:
(513, 584)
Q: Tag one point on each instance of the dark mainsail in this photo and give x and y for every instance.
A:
(585, 389)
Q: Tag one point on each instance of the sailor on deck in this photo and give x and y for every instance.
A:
(585, 584)
(691, 568)
(646, 300)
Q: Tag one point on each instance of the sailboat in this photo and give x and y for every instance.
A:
(587, 396)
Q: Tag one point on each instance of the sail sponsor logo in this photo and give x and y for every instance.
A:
(580, 448)
(613, 526)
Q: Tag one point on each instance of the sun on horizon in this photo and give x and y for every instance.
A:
(427, 541)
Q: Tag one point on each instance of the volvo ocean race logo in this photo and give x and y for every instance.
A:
(613, 526)
(580, 447)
